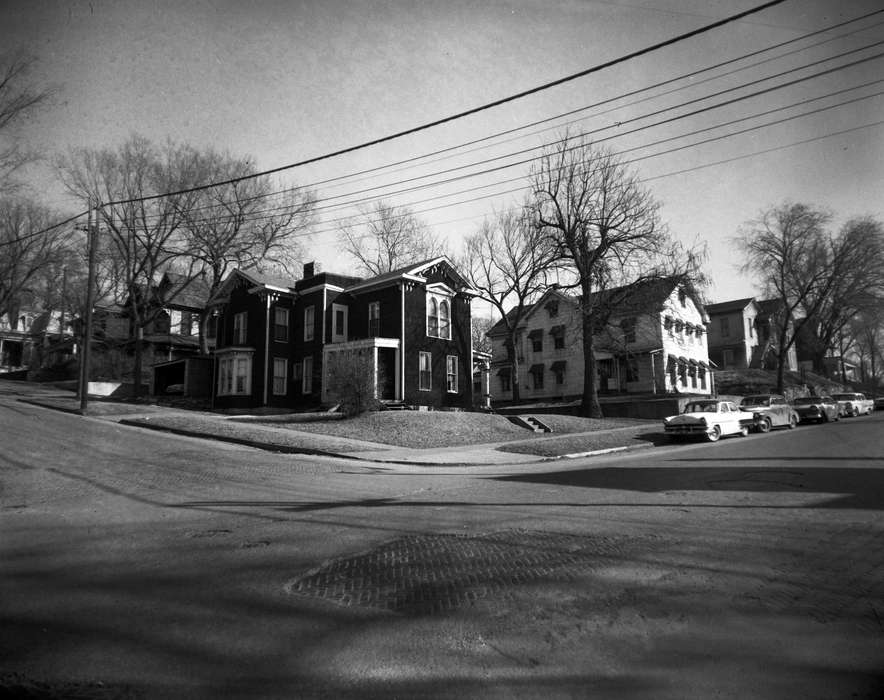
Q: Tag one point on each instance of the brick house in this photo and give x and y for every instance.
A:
(654, 342)
(277, 339)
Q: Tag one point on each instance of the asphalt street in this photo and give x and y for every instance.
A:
(141, 564)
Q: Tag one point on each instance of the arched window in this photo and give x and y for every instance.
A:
(432, 317)
(444, 320)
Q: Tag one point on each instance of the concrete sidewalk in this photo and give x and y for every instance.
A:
(208, 425)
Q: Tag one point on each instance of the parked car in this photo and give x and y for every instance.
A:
(853, 404)
(708, 418)
(769, 411)
(819, 409)
(879, 403)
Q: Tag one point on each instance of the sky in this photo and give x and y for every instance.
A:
(282, 81)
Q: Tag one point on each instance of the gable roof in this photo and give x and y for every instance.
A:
(724, 307)
(412, 272)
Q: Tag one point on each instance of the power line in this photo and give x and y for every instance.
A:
(473, 110)
(526, 161)
(536, 123)
(645, 146)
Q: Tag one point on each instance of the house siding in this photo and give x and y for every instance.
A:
(623, 364)
(323, 294)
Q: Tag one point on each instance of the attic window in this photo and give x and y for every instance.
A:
(552, 308)
(667, 323)
(682, 297)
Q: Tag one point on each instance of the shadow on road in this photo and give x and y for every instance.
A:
(849, 487)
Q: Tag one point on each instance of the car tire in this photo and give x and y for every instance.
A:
(792, 422)
(714, 434)
(744, 431)
(764, 426)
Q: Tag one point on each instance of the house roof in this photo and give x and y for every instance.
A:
(413, 270)
(724, 307)
(769, 307)
(633, 298)
(181, 290)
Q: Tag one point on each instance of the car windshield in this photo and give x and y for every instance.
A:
(807, 400)
(755, 401)
(842, 397)
(702, 407)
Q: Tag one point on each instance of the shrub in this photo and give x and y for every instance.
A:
(352, 382)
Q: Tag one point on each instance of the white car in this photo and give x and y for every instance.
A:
(709, 418)
(853, 404)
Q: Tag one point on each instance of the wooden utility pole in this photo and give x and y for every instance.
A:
(91, 227)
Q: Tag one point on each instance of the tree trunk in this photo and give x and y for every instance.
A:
(205, 314)
(782, 358)
(590, 406)
(513, 359)
(139, 360)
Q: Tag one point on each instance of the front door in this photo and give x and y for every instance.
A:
(386, 374)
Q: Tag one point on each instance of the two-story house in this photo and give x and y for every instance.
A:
(278, 339)
(654, 341)
(733, 336)
(743, 334)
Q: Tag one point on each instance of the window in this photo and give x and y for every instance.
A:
(280, 376)
(627, 325)
(438, 317)
(537, 375)
(702, 372)
(725, 326)
(339, 322)
(307, 378)
(186, 323)
(727, 358)
(558, 334)
(632, 369)
(750, 325)
(280, 324)
(552, 308)
(235, 374)
(425, 380)
(558, 369)
(667, 324)
(433, 317)
(536, 338)
(444, 320)
(682, 297)
(451, 373)
(505, 382)
(240, 328)
(374, 319)
(309, 322)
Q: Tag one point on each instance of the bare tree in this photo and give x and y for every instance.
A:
(245, 224)
(821, 280)
(605, 226)
(854, 284)
(146, 235)
(385, 237)
(17, 98)
(26, 253)
(509, 260)
(867, 334)
(480, 327)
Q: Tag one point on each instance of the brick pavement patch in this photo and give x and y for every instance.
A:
(431, 574)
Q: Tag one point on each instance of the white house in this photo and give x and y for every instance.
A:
(654, 342)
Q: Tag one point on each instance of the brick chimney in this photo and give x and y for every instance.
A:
(310, 269)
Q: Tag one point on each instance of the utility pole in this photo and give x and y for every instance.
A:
(87, 326)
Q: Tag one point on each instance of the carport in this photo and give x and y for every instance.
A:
(193, 374)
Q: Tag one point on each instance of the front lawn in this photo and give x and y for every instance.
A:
(429, 429)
